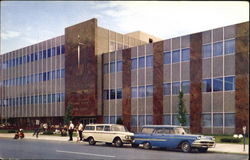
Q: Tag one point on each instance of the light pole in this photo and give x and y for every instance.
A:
(244, 128)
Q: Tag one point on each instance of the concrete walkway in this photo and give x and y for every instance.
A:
(220, 147)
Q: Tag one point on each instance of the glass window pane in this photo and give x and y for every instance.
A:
(149, 61)
(229, 119)
(62, 49)
(32, 57)
(134, 63)
(167, 57)
(141, 62)
(141, 91)
(149, 90)
(185, 86)
(40, 55)
(218, 49)
(176, 56)
(166, 88)
(185, 54)
(149, 120)
(218, 84)
(44, 76)
(206, 51)
(206, 118)
(62, 73)
(49, 52)
(206, 85)
(58, 73)
(106, 69)
(229, 46)
(44, 54)
(119, 93)
(218, 119)
(48, 76)
(167, 119)
(176, 88)
(58, 50)
(229, 83)
(53, 51)
(119, 66)
(134, 92)
(112, 67)
(112, 94)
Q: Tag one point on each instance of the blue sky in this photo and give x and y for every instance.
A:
(25, 23)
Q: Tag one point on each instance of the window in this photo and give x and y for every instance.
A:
(32, 99)
(229, 83)
(49, 98)
(229, 46)
(20, 60)
(62, 49)
(167, 57)
(134, 92)
(40, 77)
(58, 73)
(206, 119)
(89, 128)
(36, 99)
(24, 60)
(44, 99)
(149, 90)
(107, 128)
(49, 52)
(62, 73)
(218, 84)
(218, 122)
(44, 54)
(112, 94)
(229, 119)
(185, 86)
(53, 75)
(206, 85)
(185, 54)
(44, 76)
(119, 66)
(106, 68)
(106, 94)
(167, 119)
(134, 63)
(99, 128)
(119, 93)
(141, 62)
(218, 50)
(176, 56)
(149, 61)
(48, 76)
(32, 57)
(36, 56)
(40, 55)
(62, 97)
(53, 51)
(112, 67)
(58, 51)
(176, 88)
(206, 51)
(133, 120)
(141, 91)
(58, 97)
(166, 88)
(175, 120)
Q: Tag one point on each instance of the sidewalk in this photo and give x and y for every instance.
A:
(220, 147)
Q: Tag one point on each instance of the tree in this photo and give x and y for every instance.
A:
(68, 114)
(119, 121)
(182, 110)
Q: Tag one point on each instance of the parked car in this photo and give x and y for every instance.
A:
(167, 136)
(108, 133)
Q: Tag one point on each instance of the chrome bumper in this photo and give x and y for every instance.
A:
(203, 144)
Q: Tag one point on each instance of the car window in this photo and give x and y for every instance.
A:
(99, 128)
(179, 131)
(107, 128)
(147, 130)
(164, 131)
(89, 128)
(119, 128)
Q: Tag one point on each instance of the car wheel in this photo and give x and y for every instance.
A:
(185, 147)
(147, 145)
(202, 150)
(135, 145)
(91, 141)
(118, 142)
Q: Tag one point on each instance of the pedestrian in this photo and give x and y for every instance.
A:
(80, 129)
(36, 130)
(71, 129)
(77, 133)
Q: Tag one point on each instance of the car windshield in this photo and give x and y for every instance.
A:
(119, 128)
(147, 130)
(179, 131)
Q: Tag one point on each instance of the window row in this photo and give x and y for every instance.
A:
(141, 120)
(37, 99)
(112, 67)
(229, 48)
(112, 94)
(141, 91)
(39, 77)
(185, 87)
(229, 84)
(167, 119)
(111, 119)
(50, 52)
(218, 120)
(141, 62)
(176, 56)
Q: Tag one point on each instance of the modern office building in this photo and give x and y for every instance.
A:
(137, 77)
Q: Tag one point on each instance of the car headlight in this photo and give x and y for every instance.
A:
(127, 137)
(199, 137)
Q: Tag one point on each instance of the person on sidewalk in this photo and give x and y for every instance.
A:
(71, 129)
(36, 130)
(80, 129)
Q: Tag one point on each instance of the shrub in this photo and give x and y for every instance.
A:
(231, 140)
(48, 132)
(11, 131)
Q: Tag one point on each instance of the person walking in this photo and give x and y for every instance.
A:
(80, 129)
(71, 129)
(36, 131)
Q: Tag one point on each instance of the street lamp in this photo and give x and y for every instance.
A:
(244, 128)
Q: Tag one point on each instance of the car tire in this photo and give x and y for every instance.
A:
(185, 147)
(147, 145)
(202, 150)
(118, 142)
(92, 141)
(134, 145)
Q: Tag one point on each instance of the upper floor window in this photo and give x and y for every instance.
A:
(229, 83)
(167, 57)
(119, 93)
(149, 90)
(58, 50)
(229, 46)
(134, 92)
(167, 88)
(206, 51)
(106, 68)
(134, 63)
(175, 88)
(119, 66)
(149, 61)
(62, 49)
(185, 86)
(141, 91)
(185, 54)
(112, 67)
(141, 62)
(44, 54)
(176, 56)
(218, 49)
(206, 85)
(217, 84)
(49, 52)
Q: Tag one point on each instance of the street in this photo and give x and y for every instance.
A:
(44, 149)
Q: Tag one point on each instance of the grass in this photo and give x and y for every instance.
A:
(219, 137)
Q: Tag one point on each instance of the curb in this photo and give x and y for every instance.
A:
(224, 152)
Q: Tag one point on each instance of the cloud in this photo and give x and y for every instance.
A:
(9, 34)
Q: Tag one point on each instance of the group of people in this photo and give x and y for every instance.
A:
(79, 128)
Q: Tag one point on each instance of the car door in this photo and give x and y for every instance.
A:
(107, 134)
(98, 135)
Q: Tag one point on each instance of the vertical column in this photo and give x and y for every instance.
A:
(126, 87)
(242, 77)
(195, 82)
(158, 83)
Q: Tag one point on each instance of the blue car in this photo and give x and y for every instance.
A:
(166, 136)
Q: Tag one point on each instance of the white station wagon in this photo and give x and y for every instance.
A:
(108, 133)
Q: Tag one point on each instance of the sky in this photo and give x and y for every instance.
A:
(24, 23)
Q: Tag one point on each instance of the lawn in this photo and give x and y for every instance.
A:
(219, 137)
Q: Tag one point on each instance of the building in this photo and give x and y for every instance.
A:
(105, 75)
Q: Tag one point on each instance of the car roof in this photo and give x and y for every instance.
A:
(161, 126)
